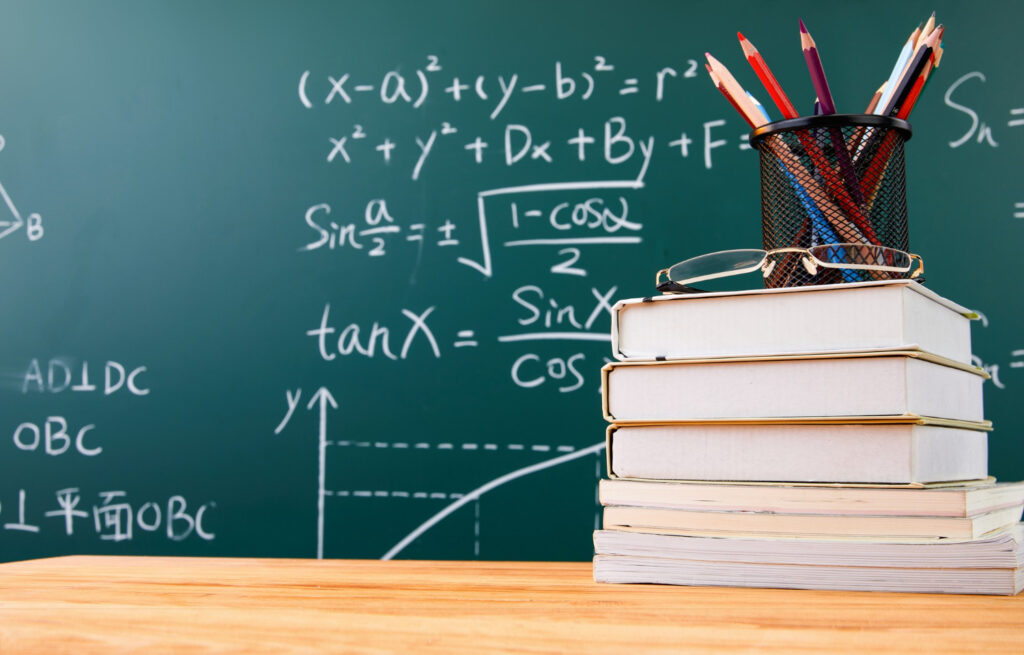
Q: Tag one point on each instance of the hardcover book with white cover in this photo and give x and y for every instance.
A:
(865, 316)
(900, 384)
(862, 453)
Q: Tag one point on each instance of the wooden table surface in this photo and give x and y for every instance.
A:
(161, 604)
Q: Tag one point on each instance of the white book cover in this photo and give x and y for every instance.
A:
(864, 316)
(822, 386)
(868, 453)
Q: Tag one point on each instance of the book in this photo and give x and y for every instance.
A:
(960, 500)
(654, 570)
(795, 387)
(864, 316)
(869, 453)
(1003, 549)
(880, 528)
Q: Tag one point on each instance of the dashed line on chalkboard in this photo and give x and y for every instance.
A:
(376, 493)
(476, 528)
(422, 445)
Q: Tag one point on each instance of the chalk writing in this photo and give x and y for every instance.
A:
(114, 518)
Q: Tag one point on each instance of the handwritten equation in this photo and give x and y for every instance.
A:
(112, 518)
(491, 92)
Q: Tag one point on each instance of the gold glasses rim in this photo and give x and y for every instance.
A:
(918, 271)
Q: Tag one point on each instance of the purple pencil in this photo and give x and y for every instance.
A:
(817, 72)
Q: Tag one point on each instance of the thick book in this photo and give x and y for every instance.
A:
(801, 387)
(893, 315)
(864, 453)
(879, 528)
(960, 500)
(1003, 549)
(656, 570)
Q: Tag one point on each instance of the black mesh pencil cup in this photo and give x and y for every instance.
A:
(832, 179)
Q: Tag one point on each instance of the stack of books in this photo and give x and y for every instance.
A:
(827, 437)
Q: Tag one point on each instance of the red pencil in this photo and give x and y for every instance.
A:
(933, 63)
(767, 78)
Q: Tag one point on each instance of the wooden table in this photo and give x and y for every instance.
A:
(161, 604)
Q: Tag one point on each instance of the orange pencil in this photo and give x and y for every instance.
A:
(739, 96)
(718, 85)
(767, 78)
(874, 99)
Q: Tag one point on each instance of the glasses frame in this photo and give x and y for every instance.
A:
(809, 261)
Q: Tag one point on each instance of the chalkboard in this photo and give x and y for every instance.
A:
(252, 251)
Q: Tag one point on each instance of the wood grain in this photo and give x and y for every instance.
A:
(153, 604)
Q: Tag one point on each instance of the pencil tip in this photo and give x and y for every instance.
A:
(803, 28)
(741, 37)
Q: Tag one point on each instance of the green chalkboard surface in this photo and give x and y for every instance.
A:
(255, 250)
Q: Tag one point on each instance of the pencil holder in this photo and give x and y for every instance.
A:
(832, 179)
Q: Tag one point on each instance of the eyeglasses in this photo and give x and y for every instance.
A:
(847, 262)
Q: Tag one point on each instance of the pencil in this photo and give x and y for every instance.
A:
(926, 31)
(718, 85)
(915, 90)
(760, 108)
(915, 68)
(873, 176)
(847, 231)
(816, 70)
(739, 96)
(767, 78)
(875, 99)
(897, 70)
(858, 134)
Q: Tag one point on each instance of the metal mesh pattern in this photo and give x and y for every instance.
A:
(833, 179)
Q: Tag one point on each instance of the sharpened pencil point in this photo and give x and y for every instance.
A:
(740, 36)
(803, 28)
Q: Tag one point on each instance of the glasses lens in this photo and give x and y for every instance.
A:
(862, 256)
(716, 264)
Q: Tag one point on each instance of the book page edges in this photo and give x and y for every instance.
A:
(610, 435)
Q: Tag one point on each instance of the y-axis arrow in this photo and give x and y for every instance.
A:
(324, 397)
